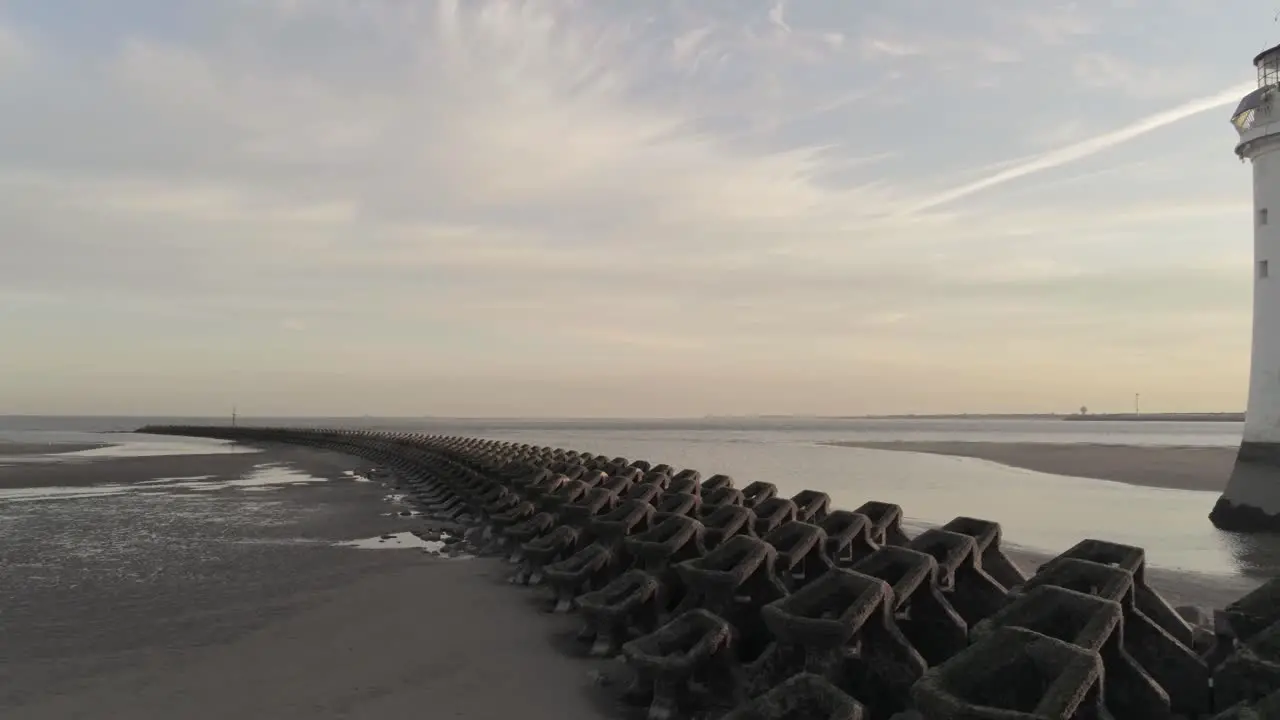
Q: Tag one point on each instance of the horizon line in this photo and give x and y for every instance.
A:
(875, 416)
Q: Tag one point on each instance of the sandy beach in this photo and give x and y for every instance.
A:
(1178, 468)
(423, 638)
(234, 603)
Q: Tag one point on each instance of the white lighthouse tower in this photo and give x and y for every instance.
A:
(1251, 502)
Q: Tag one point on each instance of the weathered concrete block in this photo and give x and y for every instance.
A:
(568, 492)
(757, 492)
(841, 627)
(934, 628)
(1176, 667)
(676, 539)
(558, 544)
(716, 482)
(594, 478)
(543, 486)
(802, 553)
(811, 506)
(804, 696)
(620, 484)
(715, 497)
(886, 520)
(739, 571)
(972, 592)
(526, 530)
(655, 477)
(849, 537)
(685, 484)
(1255, 612)
(1266, 709)
(693, 648)
(1095, 624)
(677, 503)
(644, 492)
(688, 475)
(627, 606)
(725, 522)
(596, 501)
(1252, 672)
(773, 514)
(583, 571)
(630, 516)
(1014, 673)
(1148, 601)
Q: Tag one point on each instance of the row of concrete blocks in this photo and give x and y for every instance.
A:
(745, 602)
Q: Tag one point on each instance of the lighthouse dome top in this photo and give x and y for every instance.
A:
(1265, 54)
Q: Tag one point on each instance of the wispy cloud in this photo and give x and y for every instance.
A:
(777, 15)
(1086, 148)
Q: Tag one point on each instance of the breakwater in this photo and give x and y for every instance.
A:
(733, 602)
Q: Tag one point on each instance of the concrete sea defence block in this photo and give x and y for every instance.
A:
(677, 503)
(850, 537)
(1014, 673)
(1095, 624)
(693, 648)
(926, 617)
(803, 696)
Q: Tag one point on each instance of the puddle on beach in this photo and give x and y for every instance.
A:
(166, 480)
(400, 541)
(270, 476)
(1039, 512)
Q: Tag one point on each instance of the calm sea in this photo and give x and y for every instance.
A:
(1038, 511)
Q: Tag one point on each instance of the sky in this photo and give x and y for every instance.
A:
(615, 208)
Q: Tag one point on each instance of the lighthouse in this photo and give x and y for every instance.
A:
(1251, 502)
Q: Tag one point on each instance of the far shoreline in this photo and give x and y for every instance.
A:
(1197, 468)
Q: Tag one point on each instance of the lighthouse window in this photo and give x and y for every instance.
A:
(1262, 216)
(1269, 71)
(1262, 269)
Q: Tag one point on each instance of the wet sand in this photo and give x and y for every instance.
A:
(89, 471)
(433, 638)
(1178, 468)
(235, 603)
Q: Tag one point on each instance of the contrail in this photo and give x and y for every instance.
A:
(1092, 146)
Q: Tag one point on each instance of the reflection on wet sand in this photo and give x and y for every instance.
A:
(1040, 512)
